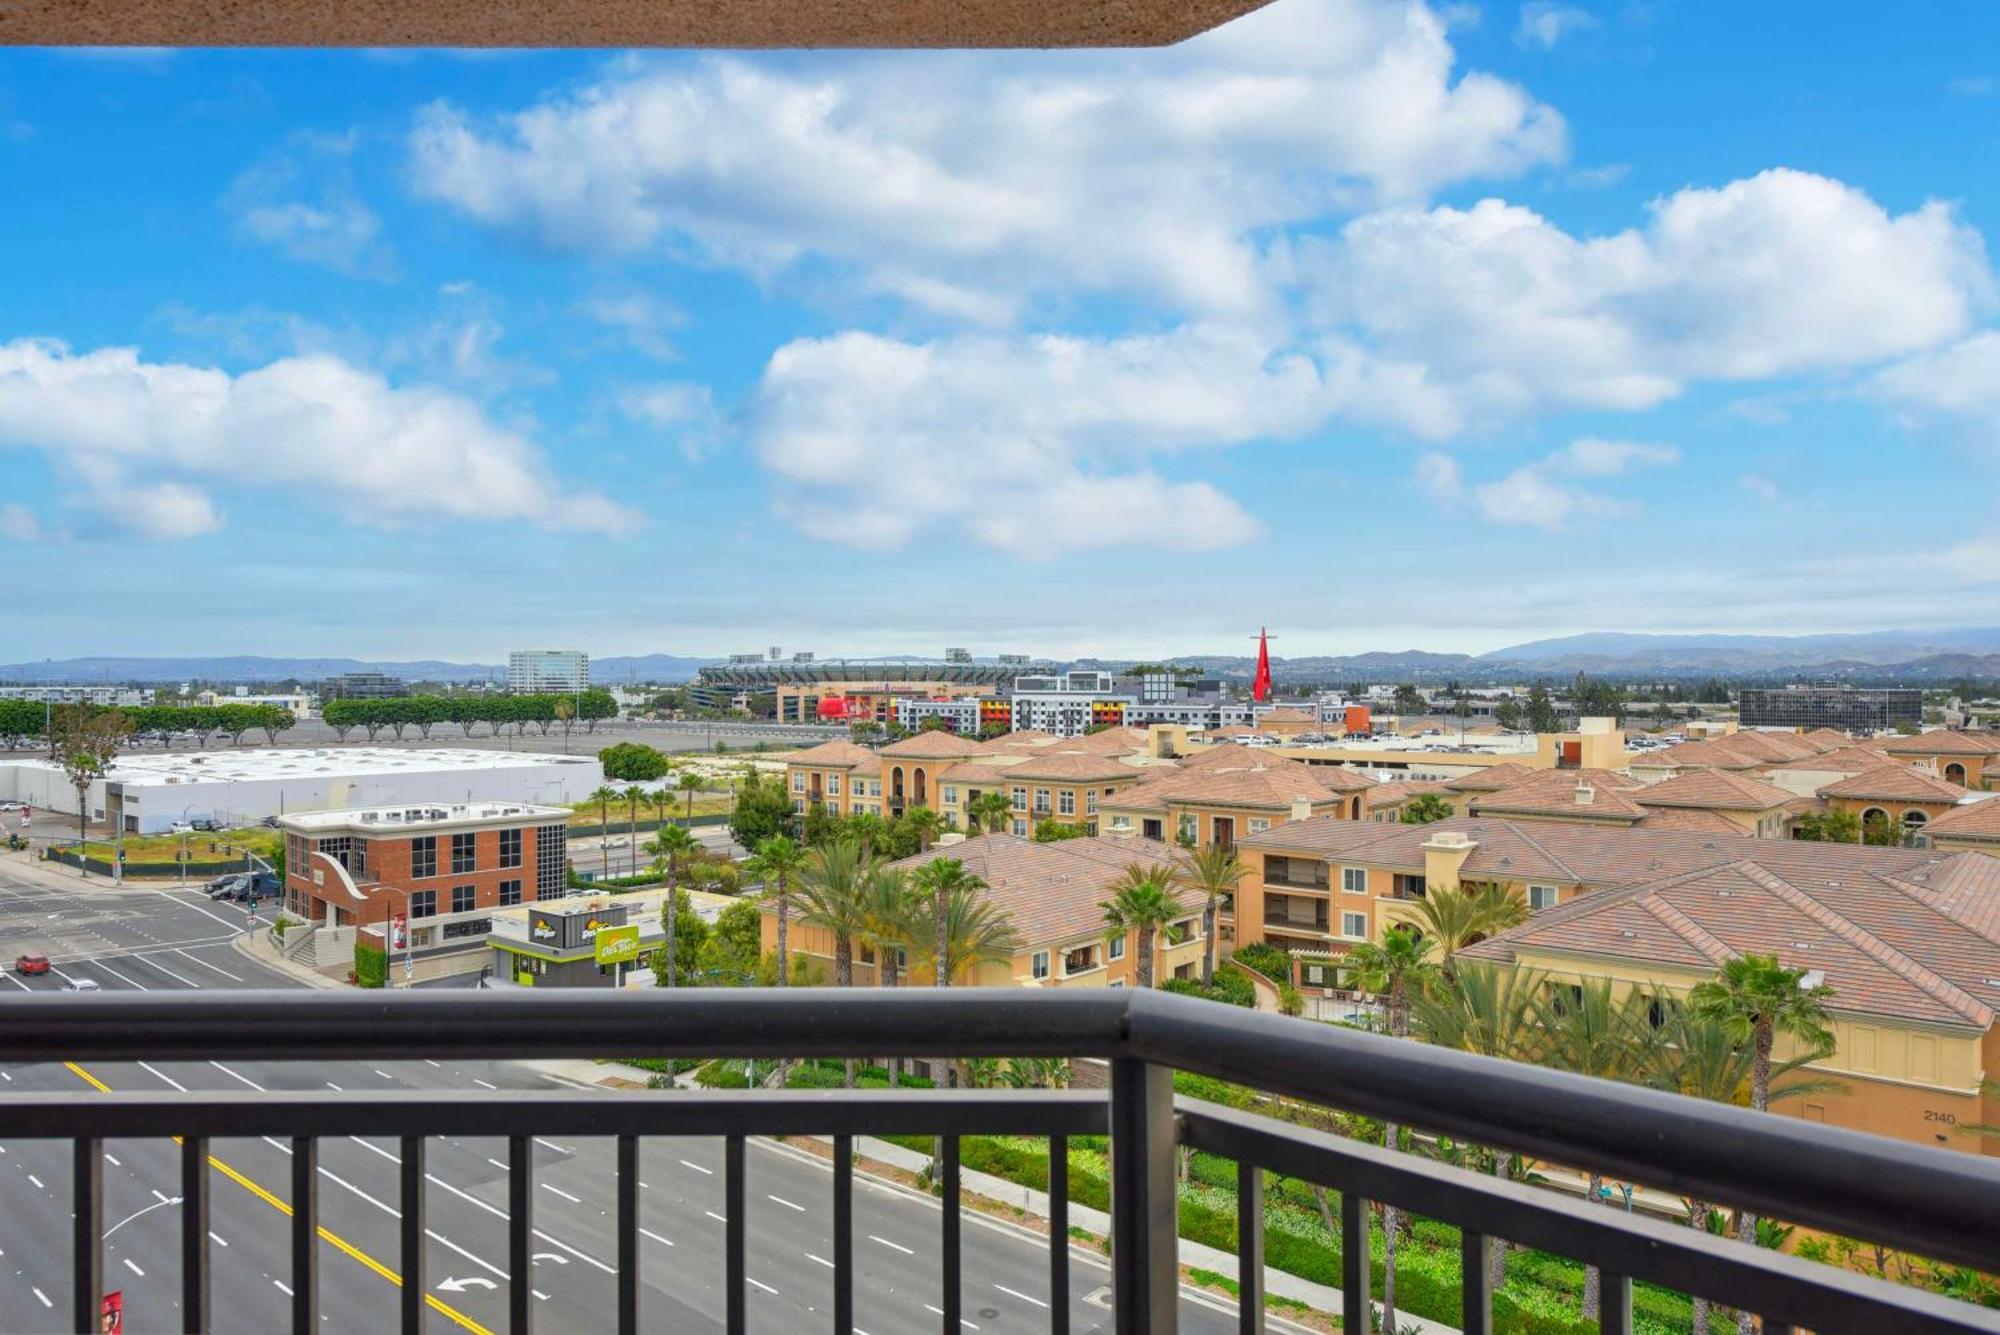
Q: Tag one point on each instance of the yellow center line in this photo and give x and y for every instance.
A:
(327, 1235)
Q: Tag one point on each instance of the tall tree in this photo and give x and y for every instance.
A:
(1756, 999)
(1586, 1029)
(674, 846)
(1214, 871)
(894, 923)
(777, 862)
(1455, 919)
(928, 823)
(1425, 808)
(85, 742)
(935, 883)
(990, 811)
(1541, 709)
(634, 795)
(833, 894)
(1141, 903)
(689, 783)
(604, 797)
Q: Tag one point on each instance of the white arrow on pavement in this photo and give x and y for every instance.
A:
(551, 1256)
(461, 1285)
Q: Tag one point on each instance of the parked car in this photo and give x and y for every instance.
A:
(33, 961)
(80, 985)
(245, 885)
(11, 807)
(205, 823)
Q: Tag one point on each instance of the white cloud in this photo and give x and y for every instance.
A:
(1958, 384)
(143, 438)
(685, 410)
(1038, 444)
(641, 319)
(1543, 494)
(1546, 22)
(972, 184)
(1778, 274)
(1763, 488)
(331, 227)
(18, 523)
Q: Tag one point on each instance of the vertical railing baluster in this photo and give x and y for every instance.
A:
(1145, 1232)
(411, 1299)
(1058, 1235)
(628, 1235)
(1357, 1312)
(843, 1235)
(1614, 1305)
(1476, 1307)
(736, 1291)
(948, 1279)
(1249, 1248)
(305, 1235)
(520, 1234)
(86, 1243)
(195, 1309)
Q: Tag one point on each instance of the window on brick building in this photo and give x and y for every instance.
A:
(463, 858)
(424, 904)
(510, 848)
(463, 899)
(510, 893)
(424, 856)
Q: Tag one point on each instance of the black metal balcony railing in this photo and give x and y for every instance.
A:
(1931, 1202)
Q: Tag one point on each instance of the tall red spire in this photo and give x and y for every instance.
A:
(1260, 685)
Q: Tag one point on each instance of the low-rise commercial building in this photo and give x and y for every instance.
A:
(588, 940)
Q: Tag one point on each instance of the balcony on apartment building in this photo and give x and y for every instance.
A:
(1295, 873)
(1931, 1202)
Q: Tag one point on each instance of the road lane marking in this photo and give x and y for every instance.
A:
(282, 1207)
(384, 1074)
(502, 1214)
(149, 963)
(940, 1311)
(158, 1074)
(133, 1266)
(821, 1260)
(23, 986)
(210, 967)
(907, 1251)
(705, 1172)
(37, 1181)
(43, 1296)
(234, 1076)
(377, 1149)
(1016, 1293)
(716, 1217)
(119, 976)
(550, 1144)
(497, 1164)
(482, 1084)
(429, 1062)
(217, 1239)
(573, 1200)
(787, 1204)
(162, 1197)
(113, 1161)
(766, 1287)
(664, 1242)
(232, 926)
(283, 1287)
(335, 1088)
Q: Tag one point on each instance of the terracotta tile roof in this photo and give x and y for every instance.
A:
(1019, 738)
(1266, 783)
(1714, 789)
(981, 769)
(934, 745)
(1894, 783)
(1490, 779)
(1223, 753)
(834, 754)
(1846, 759)
(1827, 739)
(1688, 818)
(1943, 742)
(1283, 715)
(1886, 949)
(1555, 792)
(1052, 892)
(1965, 887)
(1770, 745)
(1969, 820)
(1717, 754)
(1398, 791)
(1072, 767)
(1112, 741)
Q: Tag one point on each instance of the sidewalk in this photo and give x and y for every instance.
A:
(257, 945)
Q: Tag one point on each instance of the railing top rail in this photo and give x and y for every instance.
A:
(1935, 1202)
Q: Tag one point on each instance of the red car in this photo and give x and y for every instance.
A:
(32, 962)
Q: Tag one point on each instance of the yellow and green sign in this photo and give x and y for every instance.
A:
(617, 945)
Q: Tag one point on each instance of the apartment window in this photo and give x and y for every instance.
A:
(1041, 801)
(1117, 946)
(424, 904)
(1066, 802)
(463, 899)
(950, 795)
(1354, 880)
(1021, 827)
(1121, 824)
(1020, 799)
(462, 856)
(875, 789)
(1258, 825)
(799, 806)
(510, 848)
(1090, 801)
(1039, 966)
(833, 785)
(510, 893)
(424, 856)
(1079, 959)
(1541, 896)
(798, 781)
(1354, 925)
(1187, 828)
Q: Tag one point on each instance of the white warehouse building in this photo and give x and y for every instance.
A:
(239, 788)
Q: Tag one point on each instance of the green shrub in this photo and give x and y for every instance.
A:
(1266, 959)
(371, 966)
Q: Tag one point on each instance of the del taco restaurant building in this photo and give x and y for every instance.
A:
(557, 943)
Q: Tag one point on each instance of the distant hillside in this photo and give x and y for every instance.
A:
(248, 668)
(1615, 652)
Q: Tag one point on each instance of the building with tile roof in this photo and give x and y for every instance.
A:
(1052, 895)
(1912, 954)
(1752, 805)
(1972, 825)
(1219, 801)
(1897, 793)
(1594, 796)
(1970, 759)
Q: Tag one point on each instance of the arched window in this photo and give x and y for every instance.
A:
(1954, 773)
(1914, 819)
(1873, 816)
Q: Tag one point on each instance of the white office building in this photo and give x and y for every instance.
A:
(547, 671)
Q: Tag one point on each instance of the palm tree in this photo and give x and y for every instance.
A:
(935, 883)
(604, 797)
(972, 931)
(928, 823)
(1215, 871)
(833, 890)
(1398, 970)
(1488, 1009)
(690, 784)
(1586, 1030)
(634, 795)
(1755, 998)
(868, 830)
(989, 810)
(1455, 919)
(1425, 808)
(1140, 902)
(674, 846)
(893, 920)
(662, 800)
(777, 862)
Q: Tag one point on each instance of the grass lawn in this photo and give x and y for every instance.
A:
(163, 847)
(705, 804)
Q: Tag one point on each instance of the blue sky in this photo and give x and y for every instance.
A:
(1388, 326)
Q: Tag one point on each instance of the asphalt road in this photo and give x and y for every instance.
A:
(170, 941)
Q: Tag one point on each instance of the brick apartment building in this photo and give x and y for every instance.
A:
(446, 867)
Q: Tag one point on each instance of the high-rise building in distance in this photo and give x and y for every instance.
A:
(547, 671)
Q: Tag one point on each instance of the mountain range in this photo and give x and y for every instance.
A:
(1915, 656)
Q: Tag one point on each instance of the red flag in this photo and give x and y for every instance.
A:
(1260, 685)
